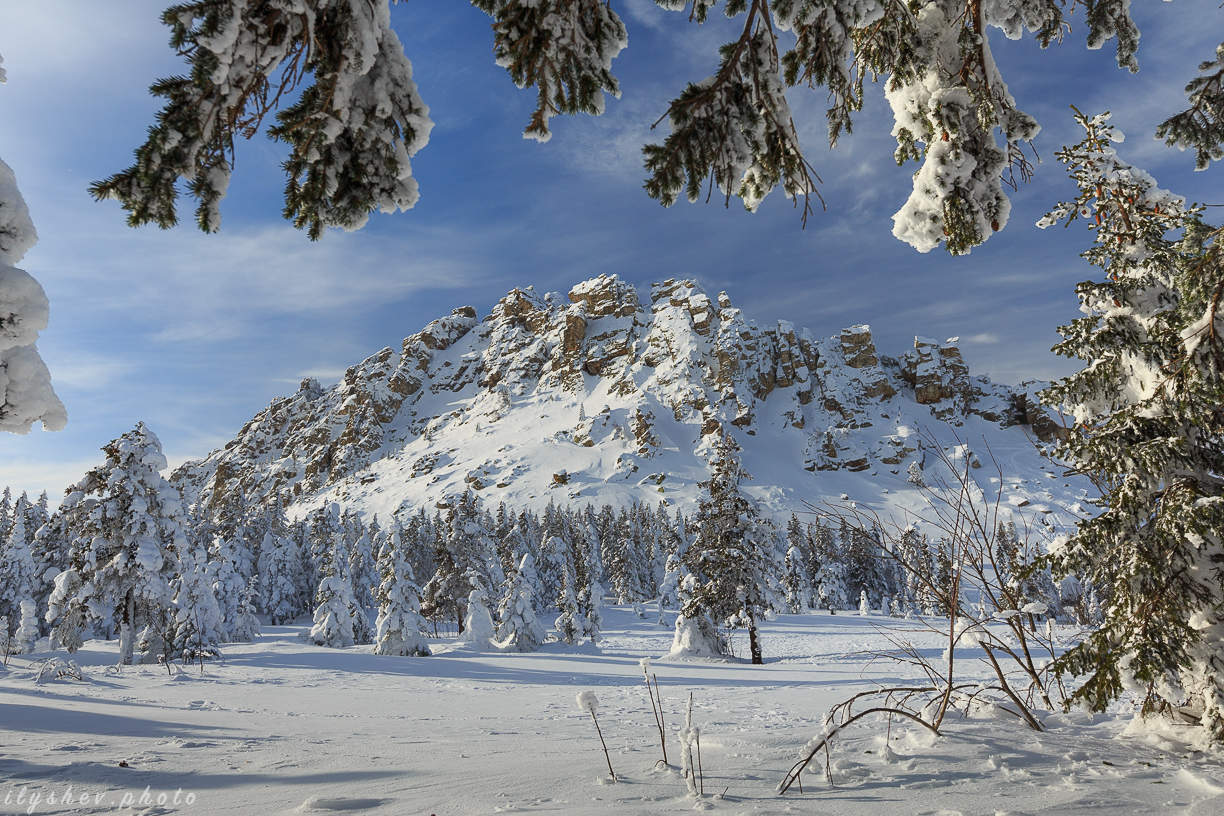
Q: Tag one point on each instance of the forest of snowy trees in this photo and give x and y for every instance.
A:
(122, 557)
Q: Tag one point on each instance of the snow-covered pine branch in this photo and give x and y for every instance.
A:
(1201, 126)
(351, 131)
(354, 128)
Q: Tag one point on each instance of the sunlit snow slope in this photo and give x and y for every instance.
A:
(604, 397)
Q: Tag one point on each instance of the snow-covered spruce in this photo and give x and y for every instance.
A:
(334, 618)
(733, 556)
(27, 630)
(478, 629)
(198, 628)
(398, 628)
(1154, 374)
(519, 631)
(127, 526)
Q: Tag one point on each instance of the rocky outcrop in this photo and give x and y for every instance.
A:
(602, 383)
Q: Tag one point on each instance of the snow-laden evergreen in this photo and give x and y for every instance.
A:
(198, 625)
(127, 527)
(358, 118)
(478, 628)
(519, 630)
(228, 584)
(733, 555)
(1154, 376)
(335, 606)
(399, 627)
(26, 395)
(27, 628)
(18, 572)
(279, 569)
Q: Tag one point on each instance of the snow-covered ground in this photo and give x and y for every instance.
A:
(280, 726)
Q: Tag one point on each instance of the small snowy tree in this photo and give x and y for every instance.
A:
(27, 630)
(569, 624)
(334, 605)
(795, 581)
(198, 627)
(228, 585)
(695, 634)
(519, 630)
(18, 572)
(279, 569)
(399, 625)
(245, 627)
(478, 629)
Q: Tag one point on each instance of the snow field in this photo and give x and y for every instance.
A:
(283, 726)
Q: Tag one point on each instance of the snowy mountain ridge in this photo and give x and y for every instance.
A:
(601, 397)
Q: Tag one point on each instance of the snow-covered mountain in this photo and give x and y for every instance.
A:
(604, 397)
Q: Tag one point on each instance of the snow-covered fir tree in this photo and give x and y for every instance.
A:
(18, 572)
(733, 554)
(478, 628)
(1146, 409)
(570, 624)
(519, 630)
(335, 606)
(361, 558)
(26, 635)
(127, 527)
(228, 585)
(399, 626)
(245, 627)
(695, 633)
(279, 570)
(795, 581)
(198, 628)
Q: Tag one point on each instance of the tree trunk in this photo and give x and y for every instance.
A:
(754, 643)
(127, 634)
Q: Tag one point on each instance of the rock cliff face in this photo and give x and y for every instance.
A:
(601, 396)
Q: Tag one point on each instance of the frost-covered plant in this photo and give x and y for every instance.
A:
(690, 754)
(1147, 410)
(6, 639)
(57, 668)
(656, 704)
(588, 702)
(1002, 624)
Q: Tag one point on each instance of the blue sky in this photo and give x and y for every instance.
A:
(195, 333)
